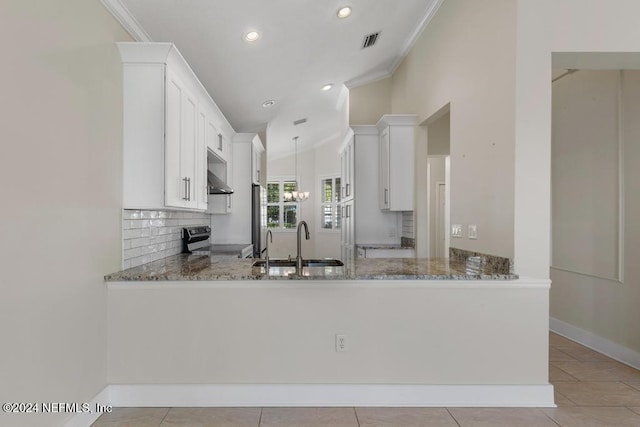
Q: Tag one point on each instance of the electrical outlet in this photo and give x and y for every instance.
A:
(341, 343)
(456, 230)
(472, 231)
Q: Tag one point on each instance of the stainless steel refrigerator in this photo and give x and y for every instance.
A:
(258, 218)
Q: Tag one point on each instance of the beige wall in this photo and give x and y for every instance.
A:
(466, 57)
(439, 133)
(369, 102)
(283, 332)
(605, 307)
(546, 28)
(60, 168)
(584, 171)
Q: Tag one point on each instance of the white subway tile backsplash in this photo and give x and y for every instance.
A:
(131, 234)
(153, 235)
(142, 241)
(132, 253)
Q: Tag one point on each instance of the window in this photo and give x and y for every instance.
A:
(330, 218)
(281, 214)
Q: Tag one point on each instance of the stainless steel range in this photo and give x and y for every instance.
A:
(197, 241)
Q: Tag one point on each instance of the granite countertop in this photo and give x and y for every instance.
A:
(186, 267)
(383, 246)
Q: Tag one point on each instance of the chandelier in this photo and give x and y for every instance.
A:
(296, 196)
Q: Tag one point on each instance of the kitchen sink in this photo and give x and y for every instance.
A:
(275, 263)
(310, 267)
(327, 262)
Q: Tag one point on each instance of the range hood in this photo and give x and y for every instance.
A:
(216, 185)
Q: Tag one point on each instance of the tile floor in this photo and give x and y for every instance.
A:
(590, 390)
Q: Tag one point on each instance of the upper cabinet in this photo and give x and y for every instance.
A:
(347, 163)
(397, 171)
(169, 122)
(183, 146)
(257, 149)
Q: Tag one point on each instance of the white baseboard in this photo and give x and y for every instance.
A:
(86, 419)
(594, 342)
(229, 395)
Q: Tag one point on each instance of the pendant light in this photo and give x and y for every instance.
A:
(296, 196)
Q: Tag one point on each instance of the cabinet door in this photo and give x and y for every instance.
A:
(347, 226)
(218, 145)
(256, 165)
(401, 168)
(188, 152)
(350, 169)
(384, 169)
(181, 132)
(201, 161)
(175, 185)
(343, 174)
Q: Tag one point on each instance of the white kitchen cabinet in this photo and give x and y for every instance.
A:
(166, 112)
(219, 144)
(256, 162)
(348, 223)
(182, 142)
(397, 172)
(363, 221)
(347, 162)
(216, 142)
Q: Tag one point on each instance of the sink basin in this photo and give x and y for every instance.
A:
(275, 263)
(327, 262)
(310, 267)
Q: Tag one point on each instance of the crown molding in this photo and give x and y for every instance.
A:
(417, 32)
(126, 19)
(368, 78)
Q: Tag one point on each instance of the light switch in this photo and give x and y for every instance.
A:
(472, 231)
(456, 230)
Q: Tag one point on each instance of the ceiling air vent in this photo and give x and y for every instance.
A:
(299, 122)
(370, 40)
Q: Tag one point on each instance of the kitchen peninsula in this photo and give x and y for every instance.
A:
(417, 332)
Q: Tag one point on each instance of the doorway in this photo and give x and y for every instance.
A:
(438, 131)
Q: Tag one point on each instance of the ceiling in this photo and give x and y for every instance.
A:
(303, 45)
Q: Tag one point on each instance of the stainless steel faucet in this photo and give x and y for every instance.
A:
(299, 256)
(268, 238)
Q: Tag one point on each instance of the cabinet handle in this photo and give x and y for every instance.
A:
(186, 189)
(189, 187)
(342, 193)
(386, 196)
(258, 175)
(220, 142)
(348, 192)
(229, 200)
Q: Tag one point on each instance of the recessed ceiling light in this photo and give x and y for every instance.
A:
(343, 12)
(327, 87)
(269, 103)
(252, 36)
